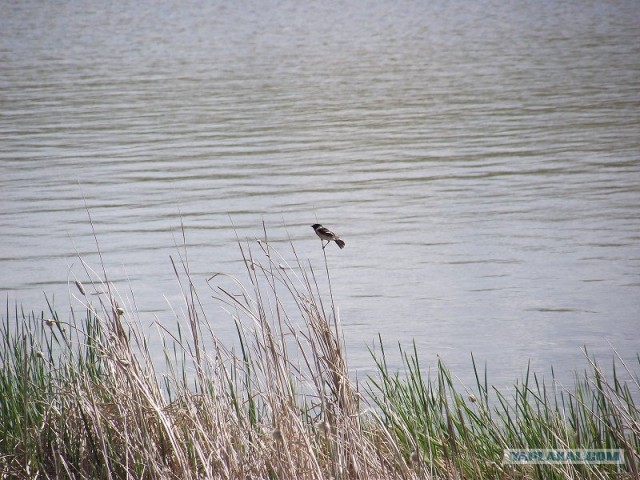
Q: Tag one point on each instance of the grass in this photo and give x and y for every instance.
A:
(82, 397)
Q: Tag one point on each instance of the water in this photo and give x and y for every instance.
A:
(481, 160)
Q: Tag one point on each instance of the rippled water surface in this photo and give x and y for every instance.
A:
(481, 160)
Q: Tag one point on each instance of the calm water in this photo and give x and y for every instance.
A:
(481, 160)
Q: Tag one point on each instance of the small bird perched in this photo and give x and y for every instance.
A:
(328, 235)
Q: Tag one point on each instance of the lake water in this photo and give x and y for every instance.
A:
(480, 159)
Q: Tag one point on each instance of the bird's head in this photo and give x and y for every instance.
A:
(315, 226)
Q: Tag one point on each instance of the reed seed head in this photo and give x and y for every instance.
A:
(124, 362)
(80, 288)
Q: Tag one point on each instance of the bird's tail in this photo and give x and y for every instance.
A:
(340, 243)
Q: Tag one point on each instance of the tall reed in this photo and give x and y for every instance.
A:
(465, 434)
(82, 397)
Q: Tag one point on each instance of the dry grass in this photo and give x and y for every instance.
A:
(83, 399)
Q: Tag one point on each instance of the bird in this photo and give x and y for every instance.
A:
(326, 234)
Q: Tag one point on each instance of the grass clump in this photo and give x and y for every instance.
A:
(83, 398)
(464, 435)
